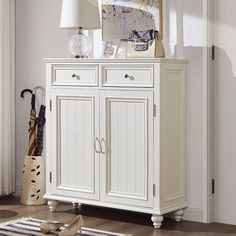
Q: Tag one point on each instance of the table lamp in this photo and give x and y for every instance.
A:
(80, 15)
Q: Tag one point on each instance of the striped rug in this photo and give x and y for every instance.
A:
(30, 227)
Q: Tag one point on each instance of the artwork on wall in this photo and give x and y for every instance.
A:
(120, 17)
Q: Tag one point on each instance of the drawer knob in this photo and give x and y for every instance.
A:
(75, 76)
(129, 77)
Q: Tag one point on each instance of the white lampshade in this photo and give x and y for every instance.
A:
(80, 13)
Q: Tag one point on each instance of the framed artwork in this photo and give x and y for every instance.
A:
(120, 17)
(114, 49)
(110, 49)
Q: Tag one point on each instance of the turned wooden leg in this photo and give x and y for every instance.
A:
(52, 204)
(157, 221)
(178, 215)
(75, 204)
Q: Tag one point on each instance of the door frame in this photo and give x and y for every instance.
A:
(208, 101)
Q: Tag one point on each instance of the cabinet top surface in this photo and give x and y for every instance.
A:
(115, 60)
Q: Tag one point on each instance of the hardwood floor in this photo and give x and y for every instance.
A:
(112, 220)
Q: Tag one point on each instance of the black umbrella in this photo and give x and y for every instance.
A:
(32, 123)
(40, 122)
(40, 126)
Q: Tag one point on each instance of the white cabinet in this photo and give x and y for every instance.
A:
(116, 134)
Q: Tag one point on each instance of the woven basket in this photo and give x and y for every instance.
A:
(33, 181)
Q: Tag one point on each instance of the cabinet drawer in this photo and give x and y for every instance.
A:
(82, 75)
(138, 75)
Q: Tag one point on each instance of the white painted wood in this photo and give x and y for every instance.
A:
(172, 135)
(178, 215)
(131, 75)
(75, 163)
(208, 98)
(75, 204)
(127, 127)
(193, 214)
(48, 127)
(119, 206)
(52, 204)
(123, 61)
(119, 147)
(157, 221)
(224, 112)
(83, 75)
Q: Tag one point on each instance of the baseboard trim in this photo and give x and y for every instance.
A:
(18, 190)
(193, 214)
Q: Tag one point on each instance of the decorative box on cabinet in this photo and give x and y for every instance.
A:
(116, 134)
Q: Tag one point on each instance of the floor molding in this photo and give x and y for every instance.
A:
(193, 214)
(18, 190)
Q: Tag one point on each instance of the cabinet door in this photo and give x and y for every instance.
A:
(75, 126)
(127, 144)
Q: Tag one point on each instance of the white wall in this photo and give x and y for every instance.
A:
(38, 36)
(193, 42)
(224, 111)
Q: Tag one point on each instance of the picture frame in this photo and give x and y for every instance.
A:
(110, 49)
(120, 17)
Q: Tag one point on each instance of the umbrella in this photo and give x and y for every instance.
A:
(40, 125)
(32, 128)
(32, 122)
(40, 121)
(35, 145)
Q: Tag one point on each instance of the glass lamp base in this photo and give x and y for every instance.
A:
(79, 45)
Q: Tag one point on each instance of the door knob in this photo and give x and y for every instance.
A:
(75, 76)
(129, 77)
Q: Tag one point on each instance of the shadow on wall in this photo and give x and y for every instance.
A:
(223, 87)
(224, 136)
(194, 127)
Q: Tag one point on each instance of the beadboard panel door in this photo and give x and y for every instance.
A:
(76, 164)
(127, 137)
